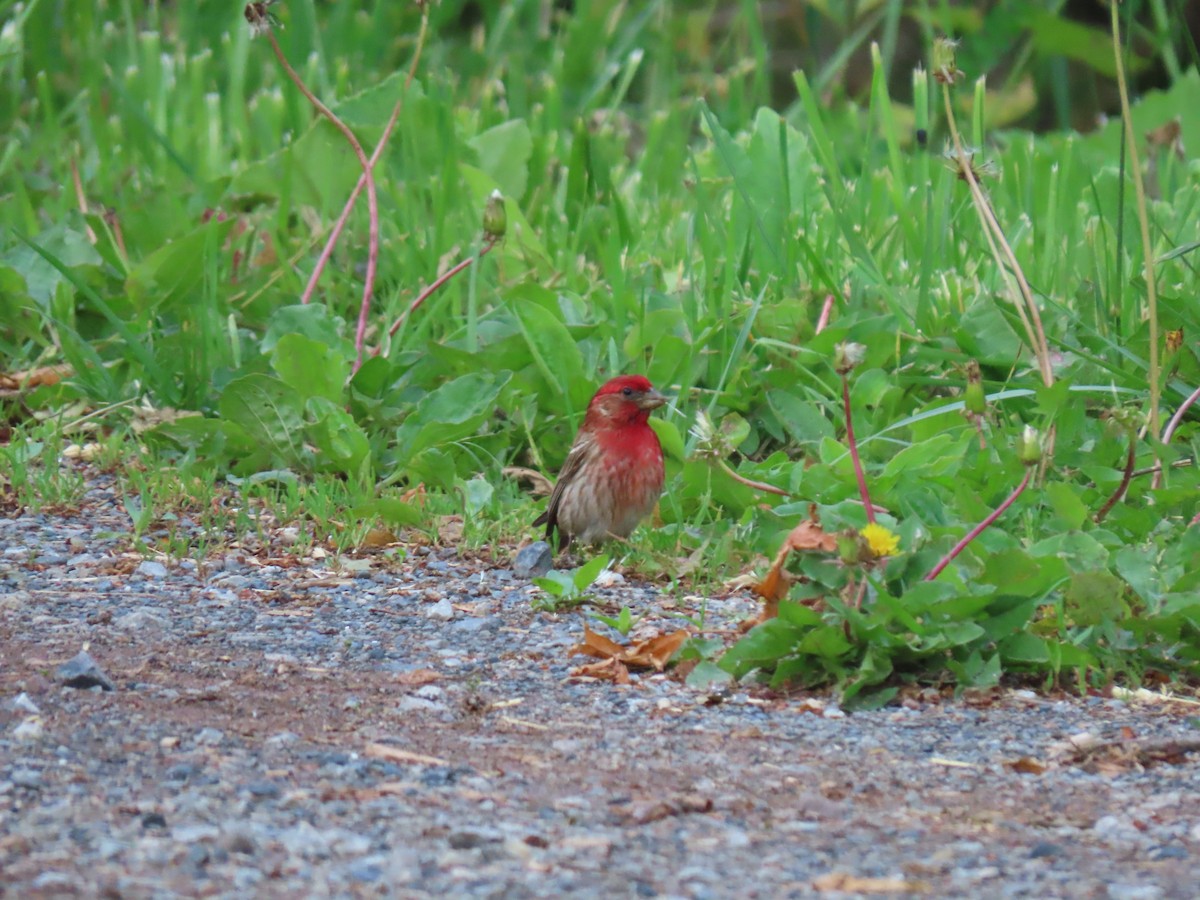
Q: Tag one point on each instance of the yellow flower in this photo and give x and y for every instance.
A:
(881, 541)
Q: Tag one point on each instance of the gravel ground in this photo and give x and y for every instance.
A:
(280, 726)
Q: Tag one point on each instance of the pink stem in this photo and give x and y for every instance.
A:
(823, 320)
(336, 233)
(360, 334)
(425, 294)
(978, 529)
(1172, 425)
(858, 469)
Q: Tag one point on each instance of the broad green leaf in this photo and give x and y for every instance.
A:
(554, 353)
(176, 270)
(67, 245)
(451, 412)
(504, 153)
(270, 412)
(309, 367)
(804, 420)
(342, 445)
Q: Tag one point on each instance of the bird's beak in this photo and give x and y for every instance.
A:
(651, 399)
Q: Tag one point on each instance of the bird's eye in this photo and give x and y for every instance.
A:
(628, 392)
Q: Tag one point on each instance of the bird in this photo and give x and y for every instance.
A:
(613, 474)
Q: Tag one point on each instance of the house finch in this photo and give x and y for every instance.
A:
(614, 472)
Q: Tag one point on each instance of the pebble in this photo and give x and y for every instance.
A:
(533, 560)
(30, 730)
(140, 620)
(83, 672)
(23, 703)
(238, 765)
(149, 568)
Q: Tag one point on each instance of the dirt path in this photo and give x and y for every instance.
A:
(414, 730)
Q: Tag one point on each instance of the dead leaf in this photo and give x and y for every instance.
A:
(379, 537)
(414, 495)
(610, 670)
(450, 529)
(651, 811)
(541, 486)
(808, 536)
(855, 884)
(395, 754)
(147, 417)
(418, 677)
(1027, 765)
(1168, 135)
(654, 652)
(31, 378)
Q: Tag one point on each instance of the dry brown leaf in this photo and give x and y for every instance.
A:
(651, 811)
(1028, 766)
(805, 537)
(851, 884)
(31, 378)
(597, 645)
(450, 529)
(146, 417)
(1168, 135)
(395, 754)
(610, 670)
(379, 537)
(654, 652)
(418, 677)
(541, 485)
(414, 495)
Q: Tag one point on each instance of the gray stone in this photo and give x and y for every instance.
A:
(140, 620)
(210, 736)
(533, 560)
(22, 703)
(81, 671)
(442, 610)
(149, 568)
(30, 779)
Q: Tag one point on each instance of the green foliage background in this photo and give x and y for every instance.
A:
(680, 203)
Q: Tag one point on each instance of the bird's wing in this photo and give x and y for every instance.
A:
(583, 448)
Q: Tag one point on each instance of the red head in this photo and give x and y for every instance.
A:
(624, 400)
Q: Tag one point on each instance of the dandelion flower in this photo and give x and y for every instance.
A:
(881, 541)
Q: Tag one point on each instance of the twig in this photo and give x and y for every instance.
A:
(1028, 311)
(360, 333)
(1139, 190)
(336, 233)
(1126, 477)
(858, 469)
(978, 529)
(425, 294)
(750, 483)
(81, 197)
(1169, 432)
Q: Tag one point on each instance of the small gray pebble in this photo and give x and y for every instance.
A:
(210, 736)
(140, 620)
(443, 610)
(533, 560)
(81, 671)
(27, 778)
(264, 790)
(149, 568)
(22, 703)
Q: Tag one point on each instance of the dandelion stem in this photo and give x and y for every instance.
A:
(858, 469)
(978, 529)
(360, 333)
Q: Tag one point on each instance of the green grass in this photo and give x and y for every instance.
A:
(661, 219)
